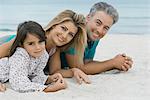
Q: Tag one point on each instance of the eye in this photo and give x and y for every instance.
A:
(30, 43)
(71, 34)
(98, 22)
(64, 28)
(106, 28)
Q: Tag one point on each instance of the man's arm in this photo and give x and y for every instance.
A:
(94, 67)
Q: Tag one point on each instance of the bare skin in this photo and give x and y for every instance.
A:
(56, 37)
(56, 82)
(4, 48)
(98, 25)
(2, 87)
(73, 72)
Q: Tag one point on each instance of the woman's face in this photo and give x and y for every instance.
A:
(62, 33)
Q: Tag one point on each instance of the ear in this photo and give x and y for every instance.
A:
(88, 17)
(20, 45)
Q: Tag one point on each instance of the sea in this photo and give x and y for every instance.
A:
(134, 15)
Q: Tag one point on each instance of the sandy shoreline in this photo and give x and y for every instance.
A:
(132, 85)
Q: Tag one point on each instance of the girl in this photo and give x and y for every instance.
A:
(26, 61)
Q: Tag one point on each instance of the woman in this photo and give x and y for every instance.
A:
(64, 31)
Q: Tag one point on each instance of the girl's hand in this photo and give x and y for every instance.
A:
(58, 85)
(54, 77)
(80, 76)
(2, 87)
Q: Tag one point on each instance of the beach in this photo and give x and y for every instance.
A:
(134, 23)
(111, 85)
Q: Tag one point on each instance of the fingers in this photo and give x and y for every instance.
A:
(127, 57)
(86, 80)
(56, 76)
(83, 78)
(62, 83)
(78, 79)
(80, 76)
(128, 63)
(124, 55)
(125, 67)
(2, 87)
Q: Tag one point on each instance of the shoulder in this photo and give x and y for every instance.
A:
(20, 58)
(20, 53)
(45, 55)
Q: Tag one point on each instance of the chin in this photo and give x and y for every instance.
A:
(35, 56)
(59, 43)
(93, 39)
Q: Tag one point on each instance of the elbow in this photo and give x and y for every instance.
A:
(15, 85)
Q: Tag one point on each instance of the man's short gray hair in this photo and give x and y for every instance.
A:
(108, 9)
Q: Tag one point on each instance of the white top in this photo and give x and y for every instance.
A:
(26, 73)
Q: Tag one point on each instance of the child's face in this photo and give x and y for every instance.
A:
(98, 25)
(63, 33)
(33, 45)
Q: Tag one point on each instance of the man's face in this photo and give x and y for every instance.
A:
(98, 25)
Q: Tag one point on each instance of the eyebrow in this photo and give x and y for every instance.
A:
(102, 22)
(27, 42)
(72, 33)
(66, 28)
(99, 20)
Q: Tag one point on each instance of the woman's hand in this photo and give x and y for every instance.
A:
(80, 76)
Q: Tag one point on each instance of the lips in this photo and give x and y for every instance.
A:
(95, 35)
(60, 38)
(38, 52)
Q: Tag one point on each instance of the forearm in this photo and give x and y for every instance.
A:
(66, 73)
(95, 67)
(5, 48)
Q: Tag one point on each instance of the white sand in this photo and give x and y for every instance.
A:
(131, 85)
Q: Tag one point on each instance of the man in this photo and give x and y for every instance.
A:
(99, 20)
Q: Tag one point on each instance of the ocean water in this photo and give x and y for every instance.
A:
(134, 14)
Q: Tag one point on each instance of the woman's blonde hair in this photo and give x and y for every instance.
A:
(80, 39)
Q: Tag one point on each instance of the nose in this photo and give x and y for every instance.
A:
(64, 36)
(99, 30)
(37, 46)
